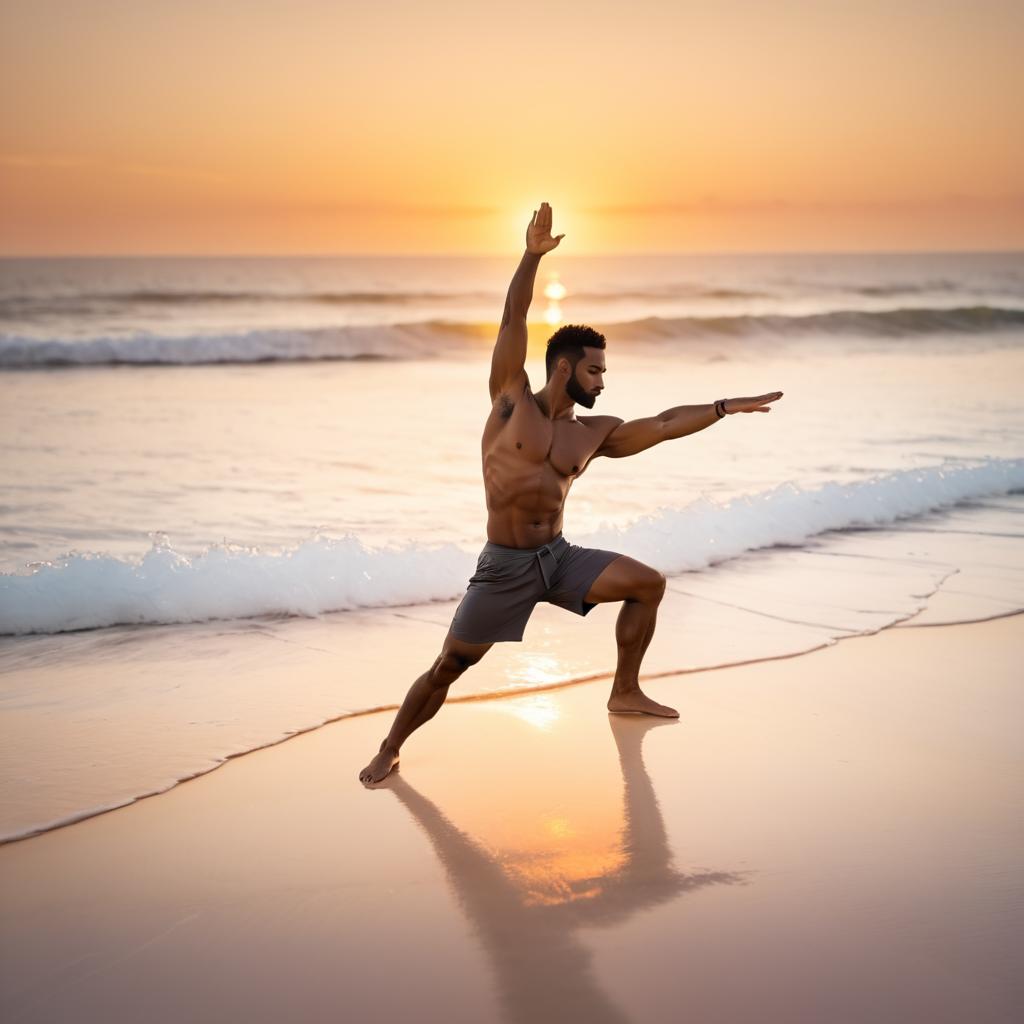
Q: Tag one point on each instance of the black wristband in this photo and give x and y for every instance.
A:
(720, 408)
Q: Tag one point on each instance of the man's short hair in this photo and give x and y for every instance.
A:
(569, 341)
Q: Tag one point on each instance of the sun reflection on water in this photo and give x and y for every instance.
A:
(535, 669)
(553, 872)
(554, 292)
(539, 710)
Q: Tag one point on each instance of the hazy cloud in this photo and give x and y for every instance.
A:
(716, 204)
(33, 162)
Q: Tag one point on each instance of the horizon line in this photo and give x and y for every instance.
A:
(509, 253)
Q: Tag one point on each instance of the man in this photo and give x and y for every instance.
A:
(534, 446)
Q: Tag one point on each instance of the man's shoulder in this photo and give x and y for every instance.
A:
(602, 424)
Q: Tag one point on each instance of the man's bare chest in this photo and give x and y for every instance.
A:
(527, 437)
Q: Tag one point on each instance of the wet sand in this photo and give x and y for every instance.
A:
(831, 837)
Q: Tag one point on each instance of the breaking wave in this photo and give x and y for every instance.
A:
(429, 338)
(391, 341)
(885, 323)
(89, 591)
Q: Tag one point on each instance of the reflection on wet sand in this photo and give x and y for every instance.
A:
(526, 915)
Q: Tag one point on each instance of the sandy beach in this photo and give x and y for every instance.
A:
(831, 837)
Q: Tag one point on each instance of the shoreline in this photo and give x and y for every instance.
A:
(810, 822)
(901, 623)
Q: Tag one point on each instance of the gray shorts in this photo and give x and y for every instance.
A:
(509, 582)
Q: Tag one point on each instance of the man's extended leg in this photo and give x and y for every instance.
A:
(641, 589)
(423, 701)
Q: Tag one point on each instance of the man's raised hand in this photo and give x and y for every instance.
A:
(538, 232)
(759, 404)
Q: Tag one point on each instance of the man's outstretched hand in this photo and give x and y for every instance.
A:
(538, 232)
(759, 404)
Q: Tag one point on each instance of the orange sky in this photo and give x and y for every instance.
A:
(309, 126)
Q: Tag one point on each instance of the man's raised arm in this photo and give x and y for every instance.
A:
(508, 364)
(629, 438)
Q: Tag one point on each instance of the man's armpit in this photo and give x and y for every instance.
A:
(507, 396)
(505, 405)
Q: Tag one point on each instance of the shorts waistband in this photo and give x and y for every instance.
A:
(547, 555)
(500, 549)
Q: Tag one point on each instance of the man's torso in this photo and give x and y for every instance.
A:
(529, 464)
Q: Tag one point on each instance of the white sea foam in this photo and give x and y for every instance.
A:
(904, 322)
(87, 591)
(681, 539)
(387, 341)
(430, 338)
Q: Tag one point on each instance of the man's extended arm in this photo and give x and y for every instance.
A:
(508, 364)
(638, 435)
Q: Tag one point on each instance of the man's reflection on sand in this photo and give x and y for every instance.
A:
(542, 971)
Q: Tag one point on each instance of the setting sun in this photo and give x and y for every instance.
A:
(710, 127)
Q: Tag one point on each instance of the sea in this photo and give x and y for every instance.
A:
(240, 497)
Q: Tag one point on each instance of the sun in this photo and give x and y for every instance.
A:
(554, 292)
(554, 289)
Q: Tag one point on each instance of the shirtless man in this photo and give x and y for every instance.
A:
(534, 446)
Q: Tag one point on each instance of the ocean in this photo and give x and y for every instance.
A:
(208, 459)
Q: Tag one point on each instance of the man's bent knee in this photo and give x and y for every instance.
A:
(650, 588)
(453, 661)
(626, 579)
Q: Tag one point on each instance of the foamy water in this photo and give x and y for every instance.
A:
(431, 339)
(327, 575)
(218, 469)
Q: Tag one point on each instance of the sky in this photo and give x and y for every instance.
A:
(308, 126)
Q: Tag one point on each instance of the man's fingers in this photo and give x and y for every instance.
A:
(542, 218)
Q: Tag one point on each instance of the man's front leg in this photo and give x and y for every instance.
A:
(641, 589)
(422, 702)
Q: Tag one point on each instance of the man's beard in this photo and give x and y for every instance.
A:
(578, 395)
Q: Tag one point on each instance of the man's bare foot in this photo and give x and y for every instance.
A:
(639, 703)
(380, 767)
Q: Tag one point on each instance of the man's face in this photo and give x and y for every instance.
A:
(587, 381)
